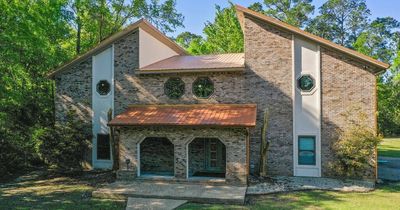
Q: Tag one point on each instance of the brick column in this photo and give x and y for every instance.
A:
(180, 160)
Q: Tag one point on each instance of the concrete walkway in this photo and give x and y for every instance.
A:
(389, 168)
(202, 193)
(153, 204)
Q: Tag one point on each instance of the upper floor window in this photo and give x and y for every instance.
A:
(174, 88)
(103, 87)
(203, 87)
(306, 83)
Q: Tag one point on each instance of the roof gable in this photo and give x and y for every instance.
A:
(142, 23)
(242, 12)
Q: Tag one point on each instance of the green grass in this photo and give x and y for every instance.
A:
(52, 193)
(385, 197)
(390, 147)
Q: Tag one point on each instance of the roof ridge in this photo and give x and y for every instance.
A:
(243, 10)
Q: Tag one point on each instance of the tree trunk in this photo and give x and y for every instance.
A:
(264, 145)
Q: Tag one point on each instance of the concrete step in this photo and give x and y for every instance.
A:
(201, 193)
(153, 204)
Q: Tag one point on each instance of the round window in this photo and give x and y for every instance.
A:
(103, 87)
(203, 87)
(174, 88)
(306, 83)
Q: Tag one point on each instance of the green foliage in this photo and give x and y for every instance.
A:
(389, 104)
(355, 150)
(380, 39)
(64, 145)
(94, 21)
(36, 36)
(294, 12)
(185, 38)
(341, 21)
(224, 35)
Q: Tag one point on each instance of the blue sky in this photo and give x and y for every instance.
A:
(197, 12)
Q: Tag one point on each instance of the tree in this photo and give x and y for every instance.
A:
(96, 20)
(34, 37)
(294, 12)
(380, 40)
(224, 35)
(185, 38)
(341, 21)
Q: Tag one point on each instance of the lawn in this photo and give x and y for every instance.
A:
(390, 147)
(53, 192)
(385, 197)
(65, 192)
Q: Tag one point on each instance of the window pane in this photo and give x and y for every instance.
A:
(306, 143)
(103, 146)
(306, 150)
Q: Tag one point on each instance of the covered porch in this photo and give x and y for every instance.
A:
(185, 142)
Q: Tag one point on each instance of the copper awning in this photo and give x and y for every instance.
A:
(225, 115)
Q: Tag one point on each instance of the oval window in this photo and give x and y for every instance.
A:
(103, 87)
(306, 83)
(203, 87)
(174, 88)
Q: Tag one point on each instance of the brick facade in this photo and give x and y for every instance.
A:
(266, 81)
(234, 140)
(268, 56)
(348, 90)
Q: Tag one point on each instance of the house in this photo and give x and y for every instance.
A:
(186, 117)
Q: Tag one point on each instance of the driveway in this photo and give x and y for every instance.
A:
(389, 168)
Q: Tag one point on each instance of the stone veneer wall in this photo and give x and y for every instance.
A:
(347, 89)
(233, 138)
(268, 56)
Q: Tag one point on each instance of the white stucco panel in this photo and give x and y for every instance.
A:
(307, 105)
(151, 49)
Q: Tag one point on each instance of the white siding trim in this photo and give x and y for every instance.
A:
(306, 106)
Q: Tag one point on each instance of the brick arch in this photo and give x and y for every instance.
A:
(156, 156)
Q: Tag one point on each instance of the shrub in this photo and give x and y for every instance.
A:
(355, 150)
(64, 145)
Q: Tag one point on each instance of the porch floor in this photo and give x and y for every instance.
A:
(202, 193)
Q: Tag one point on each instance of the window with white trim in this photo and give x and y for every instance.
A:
(306, 152)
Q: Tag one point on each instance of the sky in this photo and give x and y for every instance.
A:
(198, 12)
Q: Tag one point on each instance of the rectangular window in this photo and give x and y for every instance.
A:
(306, 146)
(103, 146)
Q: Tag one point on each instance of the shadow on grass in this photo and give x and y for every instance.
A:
(54, 192)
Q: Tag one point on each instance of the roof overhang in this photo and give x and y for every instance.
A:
(198, 115)
(106, 43)
(243, 11)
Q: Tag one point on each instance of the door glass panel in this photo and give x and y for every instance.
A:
(306, 153)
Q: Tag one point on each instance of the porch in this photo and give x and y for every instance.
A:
(197, 143)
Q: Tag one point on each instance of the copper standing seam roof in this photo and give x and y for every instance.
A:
(225, 115)
(242, 11)
(187, 63)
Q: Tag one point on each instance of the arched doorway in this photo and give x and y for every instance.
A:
(156, 157)
(207, 158)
